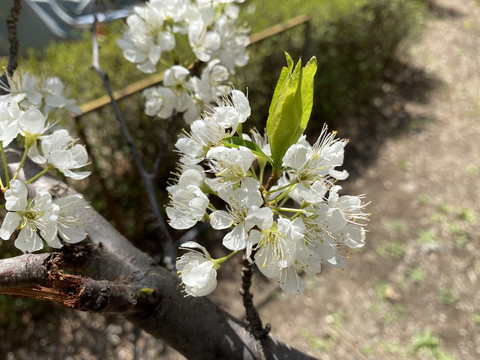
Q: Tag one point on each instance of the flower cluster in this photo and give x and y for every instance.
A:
(176, 33)
(293, 221)
(25, 115)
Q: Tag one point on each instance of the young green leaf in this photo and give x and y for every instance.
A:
(238, 141)
(290, 108)
(308, 74)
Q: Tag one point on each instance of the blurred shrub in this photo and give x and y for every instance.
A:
(72, 62)
(355, 42)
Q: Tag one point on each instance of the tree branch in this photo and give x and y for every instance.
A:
(38, 276)
(12, 20)
(253, 317)
(147, 178)
(195, 327)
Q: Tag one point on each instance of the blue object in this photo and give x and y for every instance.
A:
(41, 21)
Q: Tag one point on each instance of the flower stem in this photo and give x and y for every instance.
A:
(282, 198)
(5, 166)
(24, 157)
(289, 210)
(252, 171)
(262, 171)
(279, 189)
(225, 258)
(44, 171)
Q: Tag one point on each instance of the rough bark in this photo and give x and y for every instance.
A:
(195, 327)
(39, 276)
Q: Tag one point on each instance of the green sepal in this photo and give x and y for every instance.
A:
(290, 108)
(148, 291)
(30, 139)
(236, 142)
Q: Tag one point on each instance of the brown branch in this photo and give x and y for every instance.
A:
(253, 317)
(147, 177)
(38, 276)
(12, 20)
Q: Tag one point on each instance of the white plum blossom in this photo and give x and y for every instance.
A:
(147, 37)
(188, 206)
(33, 122)
(212, 82)
(277, 251)
(233, 44)
(43, 94)
(24, 112)
(334, 225)
(233, 110)
(41, 218)
(244, 213)
(309, 164)
(176, 78)
(60, 151)
(202, 41)
(230, 165)
(197, 270)
(213, 127)
(69, 228)
(205, 132)
(9, 114)
(191, 176)
(39, 215)
(160, 101)
(172, 34)
(284, 238)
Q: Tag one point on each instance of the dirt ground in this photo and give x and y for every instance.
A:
(413, 292)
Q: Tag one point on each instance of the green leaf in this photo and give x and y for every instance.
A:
(308, 74)
(290, 62)
(238, 141)
(290, 108)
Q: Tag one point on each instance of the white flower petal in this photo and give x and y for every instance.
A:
(236, 239)
(221, 220)
(79, 175)
(35, 155)
(9, 225)
(32, 121)
(28, 239)
(16, 196)
(290, 281)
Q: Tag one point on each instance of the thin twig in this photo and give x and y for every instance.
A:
(147, 178)
(12, 20)
(253, 317)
